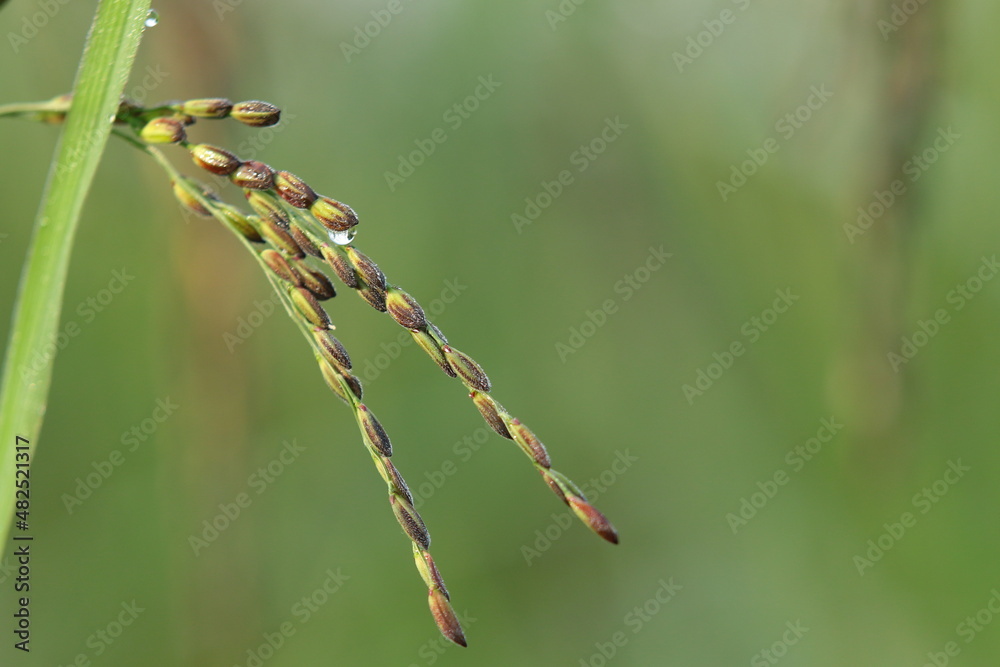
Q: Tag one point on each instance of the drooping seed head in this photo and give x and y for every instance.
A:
(255, 113)
(404, 309)
(214, 159)
(375, 435)
(367, 269)
(529, 442)
(332, 349)
(445, 617)
(333, 214)
(596, 521)
(468, 370)
(240, 223)
(294, 190)
(163, 131)
(279, 266)
(279, 238)
(410, 520)
(267, 207)
(253, 175)
(433, 350)
(335, 258)
(490, 410)
(215, 107)
(188, 200)
(309, 307)
(304, 240)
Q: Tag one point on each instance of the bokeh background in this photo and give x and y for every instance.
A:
(695, 90)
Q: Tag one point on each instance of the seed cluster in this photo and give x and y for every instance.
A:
(295, 233)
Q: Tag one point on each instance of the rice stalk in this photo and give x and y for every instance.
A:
(294, 234)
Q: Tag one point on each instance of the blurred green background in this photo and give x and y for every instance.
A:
(736, 548)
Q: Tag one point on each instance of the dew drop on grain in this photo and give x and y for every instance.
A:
(342, 238)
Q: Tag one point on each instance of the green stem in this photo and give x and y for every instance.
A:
(27, 374)
(53, 108)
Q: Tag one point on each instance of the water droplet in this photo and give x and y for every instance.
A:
(343, 238)
(152, 18)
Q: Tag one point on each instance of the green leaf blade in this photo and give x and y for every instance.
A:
(104, 70)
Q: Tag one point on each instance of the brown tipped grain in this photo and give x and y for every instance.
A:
(314, 281)
(445, 617)
(471, 373)
(490, 410)
(215, 107)
(255, 113)
(410, 520)
(304, 240)
(404, 309)
(253, 175)
(354, 384)
(374, 433)
(333, 214)
(367, 269)
(429, 345)
(393, 478)
(531, 445)
(294, 190)
(374, 297)
(594, 519)
(333, 376)
(188, 200)
(340, 266)
(268, 207)
(163, 131)
(332, 349)
(216, 160)
(276, 262)
(279, 238)
(309, 307)
(240, 223)
(321, 286)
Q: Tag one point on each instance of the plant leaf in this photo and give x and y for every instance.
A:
(104, 69)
